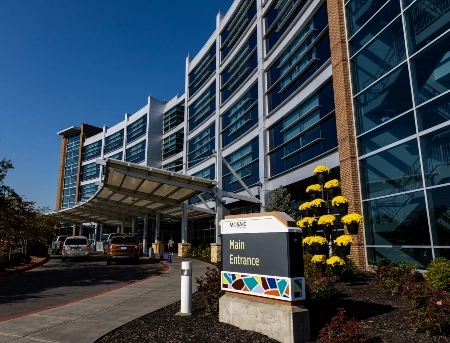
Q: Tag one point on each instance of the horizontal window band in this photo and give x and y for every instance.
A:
(243, 124)
(294, 50)
(238, 70)
(239, 107)
(302, 148)
(309, 64)
(238, 58)
(320, 121)
(275, 22)
(311, 110)
(239, 78)
(252, 106)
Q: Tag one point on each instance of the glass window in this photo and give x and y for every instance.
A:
(90, 171)
(173, 144)
(436, 156)
(113, 142)
(397, 220)
(439, 207)
(239, 68)
(280, 16)
(136, 153)
(118, 156)
(386, 99)
(240, 117)
(172, 118)
(425, 21)
(286, 84)
(431, 70)
(174, 166)
(244, 162)
(389, 133)
(137, 129)
(392, 171)
(92, 151)
(202, 71)
(421, 257)
(376, 24)
(201, 146)
(294, 140)
(203, 107)
(434, 113)
(87, 191)
(380, 56)
(236, 26)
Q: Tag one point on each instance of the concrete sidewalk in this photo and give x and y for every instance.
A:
(89, 319)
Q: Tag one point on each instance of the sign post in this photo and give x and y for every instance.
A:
(262, 267)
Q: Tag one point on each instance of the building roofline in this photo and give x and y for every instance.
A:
(69, 131)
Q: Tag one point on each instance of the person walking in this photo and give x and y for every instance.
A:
(170, 245)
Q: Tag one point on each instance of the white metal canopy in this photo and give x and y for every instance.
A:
(131, 190)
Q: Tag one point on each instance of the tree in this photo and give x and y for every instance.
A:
(280, 200)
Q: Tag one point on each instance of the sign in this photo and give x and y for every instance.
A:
(262, 255)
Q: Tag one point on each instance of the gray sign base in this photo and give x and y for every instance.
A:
(282, 322)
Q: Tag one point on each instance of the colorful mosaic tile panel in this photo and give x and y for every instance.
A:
(265, 286)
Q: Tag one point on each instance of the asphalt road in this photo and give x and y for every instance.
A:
(57, 282)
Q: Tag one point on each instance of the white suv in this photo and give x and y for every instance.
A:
(76, 247)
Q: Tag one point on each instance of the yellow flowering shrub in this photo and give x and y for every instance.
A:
(335, 260)
(327, 219)
(321, 169)
(352, 218)
(314, 188)
(317, 203)
(332, 184)
(318, 259)
(343, 240)
(315, 240)
(339, 200)
(306, 222)
(305, 206)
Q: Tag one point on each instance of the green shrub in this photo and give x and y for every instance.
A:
(438, 273)
(209, 287)
(341, 330)
(393, 277)
(350, 271)
(310, 267)
(36, 248)
(431, 313)
(322, 289)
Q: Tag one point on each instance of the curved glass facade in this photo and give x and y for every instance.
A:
(400, 69)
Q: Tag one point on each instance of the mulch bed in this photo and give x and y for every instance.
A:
(382, 318)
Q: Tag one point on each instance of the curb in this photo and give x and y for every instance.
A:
(24, 269)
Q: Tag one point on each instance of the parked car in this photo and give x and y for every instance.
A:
(58, 243)
(76, 247)
(106, 242)
(122, 247)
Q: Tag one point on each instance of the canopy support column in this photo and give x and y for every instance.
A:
(184, 223)
(157, 226)
(122, 228)
(144, 239)
(133, 226)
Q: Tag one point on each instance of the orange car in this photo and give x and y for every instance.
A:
(122, 247)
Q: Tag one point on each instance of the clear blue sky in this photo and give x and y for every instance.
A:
(67, 62)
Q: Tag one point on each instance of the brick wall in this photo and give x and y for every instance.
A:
(345, 120)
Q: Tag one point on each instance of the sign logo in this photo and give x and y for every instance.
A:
(238, 225)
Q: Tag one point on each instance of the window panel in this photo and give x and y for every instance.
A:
(117, 156)
(87, 191)
(137, 129)
(439, 215)
(202, 108)
(201, 146)
(386, 99)
(389, 133)
(92, 151)
(174, 166)
(173, 144)
(240, 117)
(136, 153)
(391, 171)
(90, 171)
(434, 113)
(431, 70)
(420, 257)
(172, 118)
(425, 21)
(380, 56)
(202, 71)
(113, 142)
(436, 156)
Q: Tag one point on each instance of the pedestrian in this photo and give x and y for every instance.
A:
(170, 245)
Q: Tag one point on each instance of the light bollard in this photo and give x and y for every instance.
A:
(186, 289)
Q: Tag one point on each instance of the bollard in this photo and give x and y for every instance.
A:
(169, 258)
(161, 255)
(186, 289)
(153, 253)
(146, 253)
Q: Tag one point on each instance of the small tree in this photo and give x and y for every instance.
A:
(280, 200)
